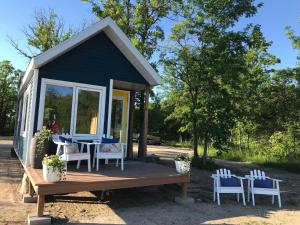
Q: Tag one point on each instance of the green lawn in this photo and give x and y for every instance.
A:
(292, 165)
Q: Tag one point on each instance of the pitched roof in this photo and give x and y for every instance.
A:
(115, 34)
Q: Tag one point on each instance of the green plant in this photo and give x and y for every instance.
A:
(182, 157)
(41, 137)
(54, 162)
(210, 164)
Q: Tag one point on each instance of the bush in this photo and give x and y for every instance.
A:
(210, 164)
(282, 146)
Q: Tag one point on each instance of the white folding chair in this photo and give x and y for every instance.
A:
(259, 183)
(119, 155)
(67, 157)
(225, 182)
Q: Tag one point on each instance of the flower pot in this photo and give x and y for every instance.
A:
(37, 155)
(51, 174)
(183, 167)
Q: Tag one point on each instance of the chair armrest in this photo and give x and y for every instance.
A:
(239, 177)
(60, 143)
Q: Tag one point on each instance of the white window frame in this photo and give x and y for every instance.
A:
(75, 86)
(25, 108)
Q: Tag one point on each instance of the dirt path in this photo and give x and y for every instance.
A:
(152, 205)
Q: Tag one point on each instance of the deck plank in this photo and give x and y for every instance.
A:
(136, 174)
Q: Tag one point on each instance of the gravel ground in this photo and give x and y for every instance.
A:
(149, 206)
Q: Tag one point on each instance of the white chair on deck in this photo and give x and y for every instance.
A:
(101, 152)
(225, 182)
(259, 183)
(67, 155)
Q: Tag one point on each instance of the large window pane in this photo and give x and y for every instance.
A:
(58, 108)
(87, 112)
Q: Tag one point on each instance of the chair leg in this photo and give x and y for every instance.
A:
(117, 163)
(214, 197)
(66, 166)
(122, 163)
(78, 163)
(244, 201)
(89, 165)
(106, 161)
(94, 158)
(273, 198)
(97, 159)
(218, 198)
(279, 200)
(248, 191)
(253, 200)
(238, 197)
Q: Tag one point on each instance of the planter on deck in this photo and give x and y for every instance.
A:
(36, 155)
(183, 167)
(51, 174)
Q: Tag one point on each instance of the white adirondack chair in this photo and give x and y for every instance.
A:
(67, 157)
(119, 155)
(259, 183)
(225, 182)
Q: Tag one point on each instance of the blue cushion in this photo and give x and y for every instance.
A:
(267, 183)
(109, 140)
(65, 140)
(230, 182)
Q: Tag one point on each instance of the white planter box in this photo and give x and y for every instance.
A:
(51, 175)
(182, 167)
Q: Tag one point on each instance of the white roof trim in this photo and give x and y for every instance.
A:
(116, 35)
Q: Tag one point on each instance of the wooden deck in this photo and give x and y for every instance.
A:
(136, 174)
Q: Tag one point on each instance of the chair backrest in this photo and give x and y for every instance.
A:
(258, 174)
(109, 137)
(224, 173)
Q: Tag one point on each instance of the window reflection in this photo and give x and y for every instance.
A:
(116, 117)
(87, 112)
(58, 108)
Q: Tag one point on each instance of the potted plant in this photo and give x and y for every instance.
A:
(183, 163)
(39, 147)
(53, 168)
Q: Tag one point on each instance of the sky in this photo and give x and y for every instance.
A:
(16, 14)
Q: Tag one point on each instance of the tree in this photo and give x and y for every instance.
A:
(205, 60)
(139, 20)
(47, 31)
(294, 39)
(8, 96)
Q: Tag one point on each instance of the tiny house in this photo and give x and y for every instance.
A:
(84, 87)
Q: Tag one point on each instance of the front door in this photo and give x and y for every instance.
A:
(119, 114)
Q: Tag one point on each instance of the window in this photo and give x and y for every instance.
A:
(116, 117)
(58, 108)
(87, 111)
(24, 113)
(73, 108)
(24, 119)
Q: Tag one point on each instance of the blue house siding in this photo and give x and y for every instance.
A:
(95, 62)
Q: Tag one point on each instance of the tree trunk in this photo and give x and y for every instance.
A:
(195, 142)
(140, 148)
(240, 140)
(205, 148)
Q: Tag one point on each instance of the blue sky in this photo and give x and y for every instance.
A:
(15, 14)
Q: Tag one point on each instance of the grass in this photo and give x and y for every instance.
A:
(183, 144)
(291, 165)
(210, 164)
